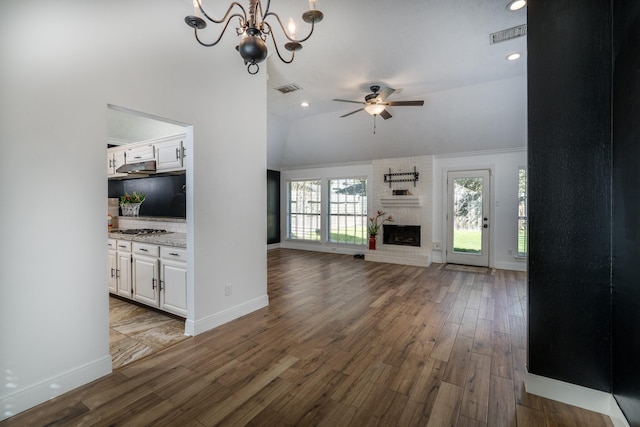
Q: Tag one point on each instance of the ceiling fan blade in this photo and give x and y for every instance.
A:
(346, 100)
(405, 103)
(385, 114)
(384, 93)
(353, 112)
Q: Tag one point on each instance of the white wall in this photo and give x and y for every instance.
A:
(58, 74)
(323, 173)
(503, 235)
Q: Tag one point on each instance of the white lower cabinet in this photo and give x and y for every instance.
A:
(119, 267)
(151, 274)
(173, 280)
(112, 268)
(146, 286)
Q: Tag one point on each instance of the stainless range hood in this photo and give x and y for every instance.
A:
(138, 168)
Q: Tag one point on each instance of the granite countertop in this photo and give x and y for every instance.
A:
(167, 239)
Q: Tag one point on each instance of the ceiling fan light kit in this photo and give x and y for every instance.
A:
(375, 103)
(254, 30)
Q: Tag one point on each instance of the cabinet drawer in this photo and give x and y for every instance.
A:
(140, 154)
(146, 249)
(111, 244)
(123, 245)
(167, 252)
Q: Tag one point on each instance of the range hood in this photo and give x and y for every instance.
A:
(148, 166)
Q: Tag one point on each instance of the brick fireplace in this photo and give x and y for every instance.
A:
(408, 239)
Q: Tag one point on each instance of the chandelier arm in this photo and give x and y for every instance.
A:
(259, 7)
(195, 30)
(273, 38)
(224, 18)
(285, 31)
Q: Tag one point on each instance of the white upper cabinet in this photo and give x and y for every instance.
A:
(169, 154)
(115, 159)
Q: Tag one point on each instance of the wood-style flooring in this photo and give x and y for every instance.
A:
(136, 331)
(344, 342)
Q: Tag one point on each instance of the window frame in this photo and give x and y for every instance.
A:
(361, 218)
(522, 214)
(306, 232)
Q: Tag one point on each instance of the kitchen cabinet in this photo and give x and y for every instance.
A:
(119, 267)
(149, 273)
(140, 153)
(173, 280)
(112, 266)
(146, 286)
(169, 154)
(115, 159)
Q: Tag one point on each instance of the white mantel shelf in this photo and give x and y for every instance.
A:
(402, 201)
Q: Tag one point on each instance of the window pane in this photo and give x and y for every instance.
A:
(348, 211)
(467, 211)
(304, 210)
(522, 212)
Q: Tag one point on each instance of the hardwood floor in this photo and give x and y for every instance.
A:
(344, 342)
(136, 331)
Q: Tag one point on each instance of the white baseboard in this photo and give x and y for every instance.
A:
(572, 394)
(273, 246)
(217, 319)
(511, 265)
(36, 394)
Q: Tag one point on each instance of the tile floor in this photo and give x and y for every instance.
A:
(136, 332)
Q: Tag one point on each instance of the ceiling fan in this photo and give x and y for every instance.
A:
(375, 103)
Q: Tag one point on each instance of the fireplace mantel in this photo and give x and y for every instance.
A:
(402, 201)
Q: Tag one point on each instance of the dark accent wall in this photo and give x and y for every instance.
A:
(165, 194)
(626, 209)
(569, 155)
(273, 206)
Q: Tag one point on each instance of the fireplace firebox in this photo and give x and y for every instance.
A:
(403, 235)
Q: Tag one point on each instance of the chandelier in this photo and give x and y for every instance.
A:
(254, 30)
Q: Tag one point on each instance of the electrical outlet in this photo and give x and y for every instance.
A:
(437, 246)
(227, 289)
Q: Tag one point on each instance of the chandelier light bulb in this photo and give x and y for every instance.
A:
(292, 28)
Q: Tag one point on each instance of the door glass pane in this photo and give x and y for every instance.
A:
(467, 215)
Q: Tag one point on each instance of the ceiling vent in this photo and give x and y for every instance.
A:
(288, 88)
(508, 34)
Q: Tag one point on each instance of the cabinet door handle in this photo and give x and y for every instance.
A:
(137, 157)
(112, 272)
(173, 254)
(122, 246)
(161, 285)
(144, 250)
(153, 283)
(117, 273)
(177, 153)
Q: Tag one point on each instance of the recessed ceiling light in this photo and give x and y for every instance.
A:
(517, 4)
(304, 104)
(513, 56)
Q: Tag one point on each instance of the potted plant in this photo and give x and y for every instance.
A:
(374, 226)
(130, 204)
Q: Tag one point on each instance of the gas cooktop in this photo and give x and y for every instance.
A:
(139, 231)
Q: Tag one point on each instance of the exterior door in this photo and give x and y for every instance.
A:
(468, 214)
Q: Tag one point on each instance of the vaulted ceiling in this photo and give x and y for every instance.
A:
(438, 51)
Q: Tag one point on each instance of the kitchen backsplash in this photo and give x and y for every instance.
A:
(165, 195)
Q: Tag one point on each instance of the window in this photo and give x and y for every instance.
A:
(347, 216)
(522, 212)
(304, 210)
